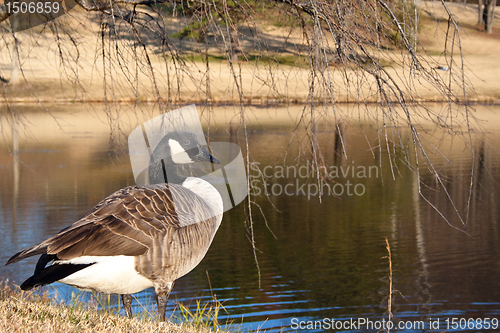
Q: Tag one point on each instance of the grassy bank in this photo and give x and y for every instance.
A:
(274, 68)
(29, 312)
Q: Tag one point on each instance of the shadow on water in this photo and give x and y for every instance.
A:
(327, 260)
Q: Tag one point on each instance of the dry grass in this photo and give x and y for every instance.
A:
(28, 312)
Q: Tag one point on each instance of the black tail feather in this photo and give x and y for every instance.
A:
(42, 262)
(51, 274)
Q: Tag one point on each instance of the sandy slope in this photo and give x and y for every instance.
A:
(83, 77)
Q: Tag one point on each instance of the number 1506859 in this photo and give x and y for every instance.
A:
(32, 7)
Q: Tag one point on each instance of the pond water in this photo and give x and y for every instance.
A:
(318, 261)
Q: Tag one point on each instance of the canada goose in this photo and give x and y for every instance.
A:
(139, 236)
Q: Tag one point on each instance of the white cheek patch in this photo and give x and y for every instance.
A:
(179, 155)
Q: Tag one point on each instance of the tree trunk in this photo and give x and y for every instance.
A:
(235, 45)
(14, 70)
(489, 8)
(480, 9)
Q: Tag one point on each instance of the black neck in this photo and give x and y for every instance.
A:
(164, 172)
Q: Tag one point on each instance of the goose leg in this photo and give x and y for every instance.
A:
(162, 306)
(127, 304)
(162, 293)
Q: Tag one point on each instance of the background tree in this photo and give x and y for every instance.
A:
(480, 11)
(489, 15)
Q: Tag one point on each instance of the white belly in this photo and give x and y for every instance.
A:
(112, 275)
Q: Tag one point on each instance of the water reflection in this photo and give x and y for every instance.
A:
(328, 258)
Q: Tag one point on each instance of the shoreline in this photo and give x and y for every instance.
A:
(255, 102)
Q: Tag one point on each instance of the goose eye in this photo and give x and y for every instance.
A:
(187, 142)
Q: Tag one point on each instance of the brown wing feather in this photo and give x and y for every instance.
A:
(124, 223)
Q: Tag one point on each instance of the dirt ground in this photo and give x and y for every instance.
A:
(82, 77)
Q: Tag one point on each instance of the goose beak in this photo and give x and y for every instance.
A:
(204, 156)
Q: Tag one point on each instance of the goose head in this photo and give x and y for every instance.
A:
(176, 149)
